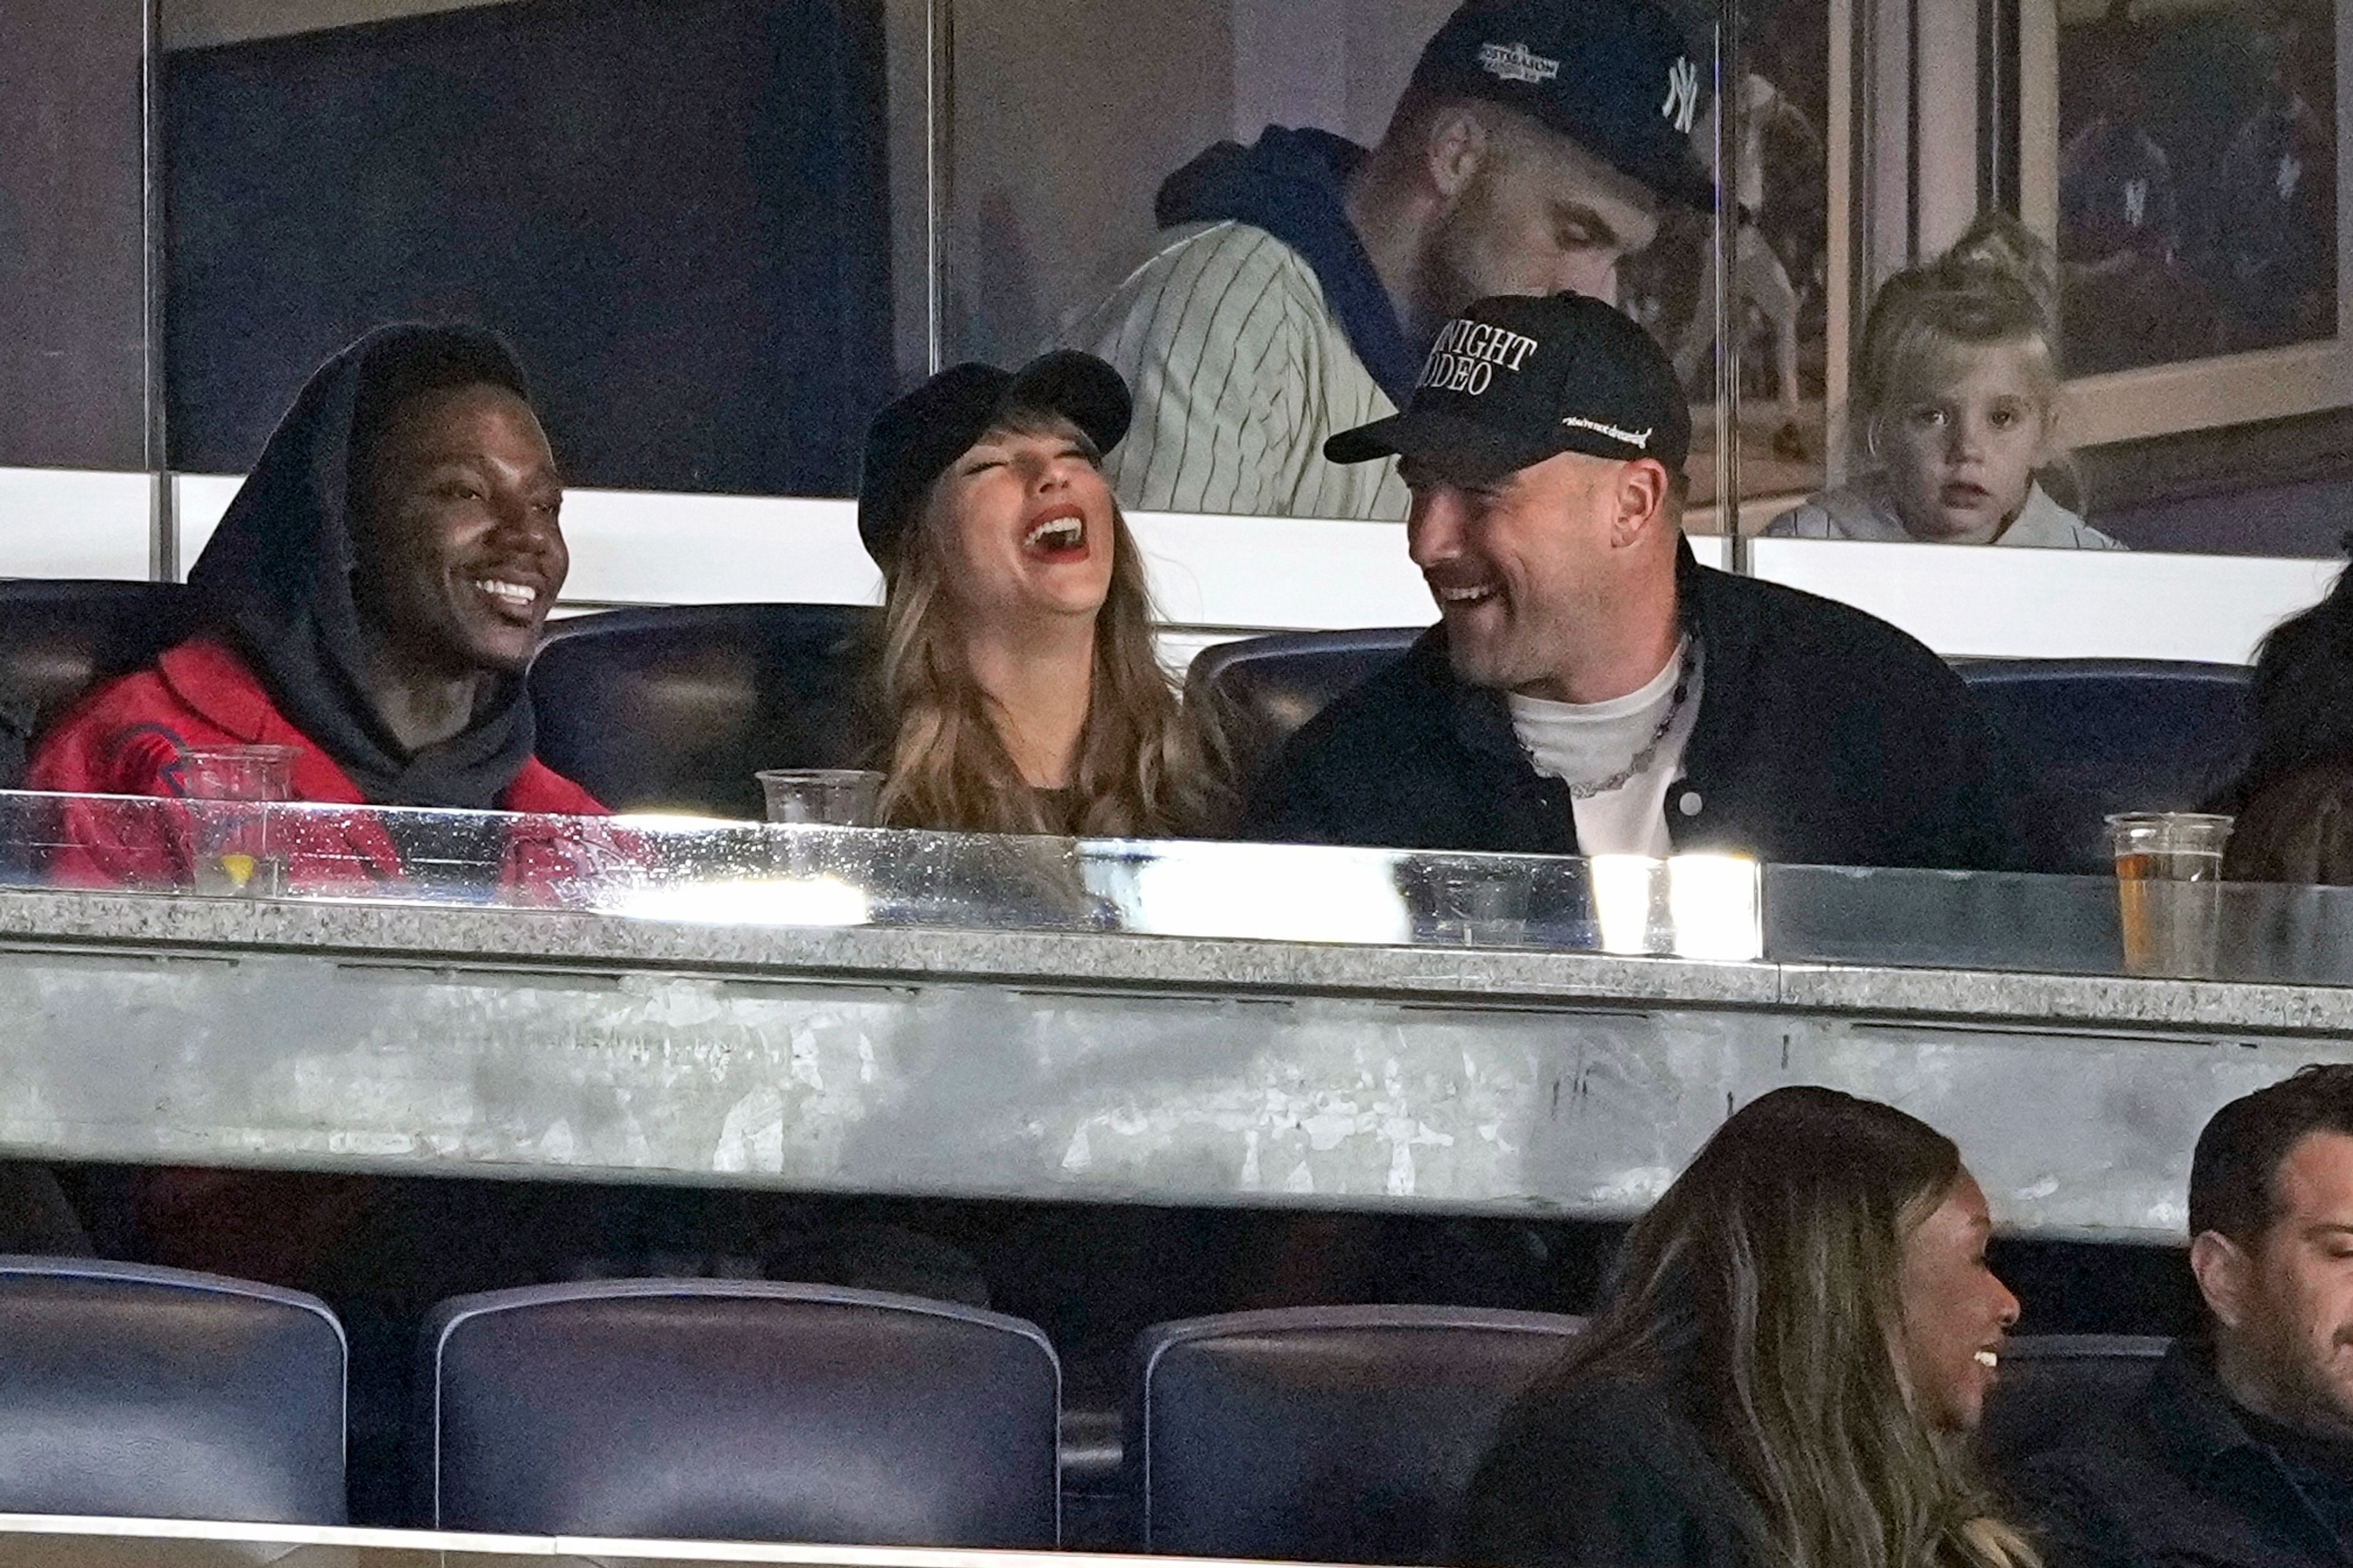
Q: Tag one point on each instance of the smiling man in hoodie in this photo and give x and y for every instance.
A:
(1297, 283)
(372, 597)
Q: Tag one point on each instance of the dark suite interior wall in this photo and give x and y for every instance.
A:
(677, 210)
(72, 271)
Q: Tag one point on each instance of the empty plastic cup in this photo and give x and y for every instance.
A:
(832, 797)
(230, 789)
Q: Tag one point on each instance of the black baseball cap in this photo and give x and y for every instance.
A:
(911, 442)
(1616, 77)
(1515, 380)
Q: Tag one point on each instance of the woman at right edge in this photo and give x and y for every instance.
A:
(1799, 1345)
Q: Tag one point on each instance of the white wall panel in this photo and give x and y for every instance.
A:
(1223, 576)
(74, 522)
(2055, 604)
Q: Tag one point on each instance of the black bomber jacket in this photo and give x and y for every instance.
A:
(1824, 736)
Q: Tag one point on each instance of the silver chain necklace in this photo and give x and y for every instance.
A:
(1641, 761)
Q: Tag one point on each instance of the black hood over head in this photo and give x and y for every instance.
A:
(277, 575)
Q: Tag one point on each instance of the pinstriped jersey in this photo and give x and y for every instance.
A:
(1239, 370)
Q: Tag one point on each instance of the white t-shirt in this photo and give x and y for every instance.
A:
(1585, 743)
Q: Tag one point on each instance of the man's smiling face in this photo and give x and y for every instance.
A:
(1513, 563)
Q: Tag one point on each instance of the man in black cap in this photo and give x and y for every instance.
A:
(1591, 688)
(1298, 281)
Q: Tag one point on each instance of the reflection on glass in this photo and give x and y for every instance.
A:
(1778, 270)
(692, 871)
(2196, 178)
(818, 900)
(1264, 254)
(1697, 906)
(1623, 888)
(1714, 909)
(1279, 893)
(1713, 902)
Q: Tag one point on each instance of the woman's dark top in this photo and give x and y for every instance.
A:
(1604, 1475)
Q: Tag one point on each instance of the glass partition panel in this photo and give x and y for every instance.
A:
(700, 871)
(678, 212)
(77, 418)
(2198, 213)
(73, 278)
(2250, 932)
(1092, 145)
(1780, 273)
(688, 871)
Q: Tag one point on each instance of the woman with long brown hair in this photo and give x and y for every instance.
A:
(1801, 1339)
(1020, 685)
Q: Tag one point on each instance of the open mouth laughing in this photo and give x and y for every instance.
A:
(1058, 533)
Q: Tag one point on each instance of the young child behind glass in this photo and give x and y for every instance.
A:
(1956, 406)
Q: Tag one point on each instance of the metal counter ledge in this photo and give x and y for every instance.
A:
(491, 1042)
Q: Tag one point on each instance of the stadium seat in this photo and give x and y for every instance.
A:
(151, 1392)
(725, 1410)
(58, 638)
(2055, 1389)
(676, 708)
(1324, 1434)
(1264, 688)
(2101, 735)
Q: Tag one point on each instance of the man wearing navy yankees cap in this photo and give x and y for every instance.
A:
(1590, 688)
(1296, 283)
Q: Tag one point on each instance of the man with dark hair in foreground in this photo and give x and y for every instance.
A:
(2241, 1452)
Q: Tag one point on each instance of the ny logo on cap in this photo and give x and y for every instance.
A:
(1516, 62)
(1683, 96)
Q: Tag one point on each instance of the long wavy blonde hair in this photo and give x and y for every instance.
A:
(1146, 767)
(1764, 1291)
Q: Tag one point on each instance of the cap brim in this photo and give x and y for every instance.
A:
(1079, 386)
(1457, 447)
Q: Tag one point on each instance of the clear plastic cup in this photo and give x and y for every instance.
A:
(831, 798)
(230, 790)
(237, 773)
(2168, 889)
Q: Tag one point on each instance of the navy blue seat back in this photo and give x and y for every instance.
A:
(59, 638)
(2097, 736)
(1325, 1433)
(2056, 1390)
(676, 708)
(152, 1392)
(1264, 688)
(720, 1410)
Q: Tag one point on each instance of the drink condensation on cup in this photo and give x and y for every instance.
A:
(831, 798)
(232, 788)
(2168, 889)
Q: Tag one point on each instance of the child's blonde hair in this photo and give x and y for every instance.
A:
(1997, 284)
